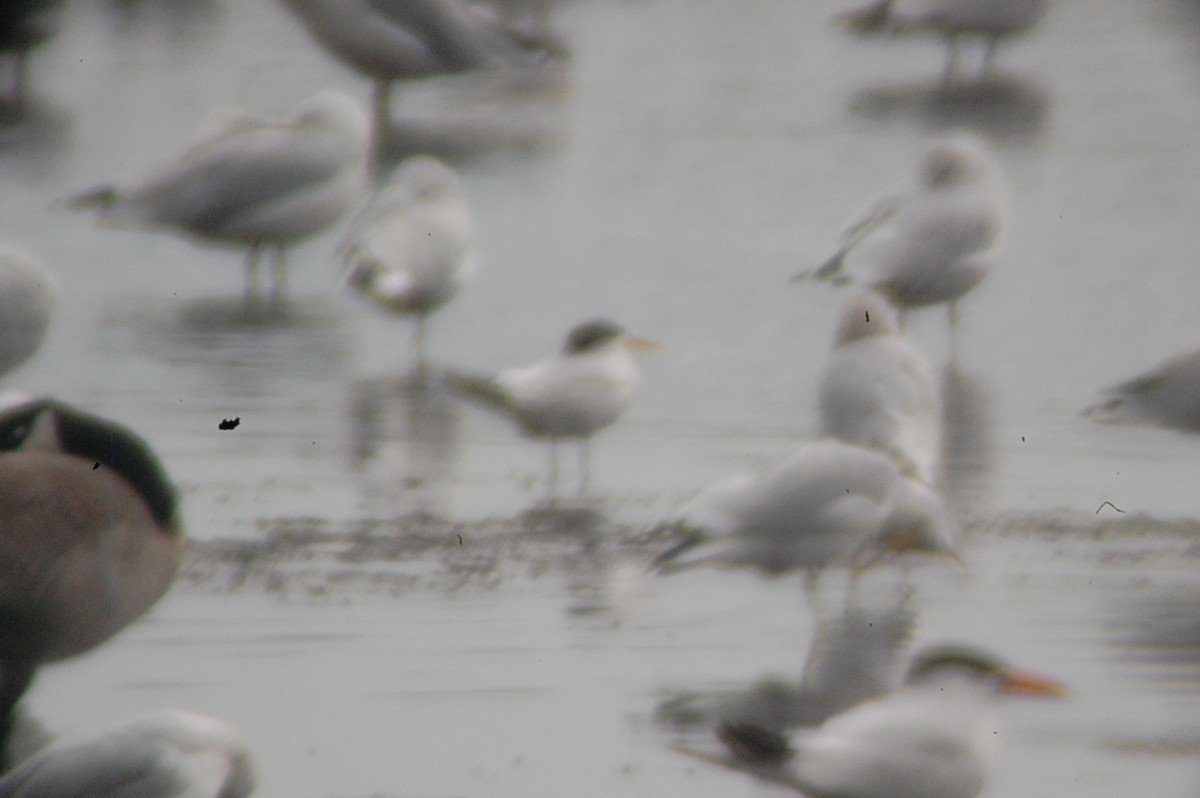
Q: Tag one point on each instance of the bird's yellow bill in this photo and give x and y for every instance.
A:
(634, 342)
(1017, 682)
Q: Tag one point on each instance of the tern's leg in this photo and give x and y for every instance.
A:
(250, 293)
(552, 476)
(989, 57)
(419, 344)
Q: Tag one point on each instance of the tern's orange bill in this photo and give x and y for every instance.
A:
(634, 342)
(1018, 682)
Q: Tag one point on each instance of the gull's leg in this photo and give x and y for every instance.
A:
(279, 284)
(381, 103)
(419, 344)
(989, 57)
(250, 292)
(953, 318)
(812, 579)
(585, 465)
(951, 71)
(552, 476)
(20, 78)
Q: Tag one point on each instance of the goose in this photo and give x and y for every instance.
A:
(90, 537)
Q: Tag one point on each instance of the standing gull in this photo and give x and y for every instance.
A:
(90, 537)
(573, 394)
(991, 21)
(166, 754)
(391, 40)
(414, 247)
(826, 504)
(27, 298)
(876, 391)
(255, 183)
(938, 241)
(1168, 395)
(933, 738)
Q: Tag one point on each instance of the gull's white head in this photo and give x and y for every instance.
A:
(423, 178)
(957, 160)
(916, 522)
(868, 314)
(336, 111)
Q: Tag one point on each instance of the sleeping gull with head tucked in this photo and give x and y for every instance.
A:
(254, 183)
(938, 241)
(166, 754)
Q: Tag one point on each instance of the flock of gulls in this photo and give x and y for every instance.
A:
(90, 535)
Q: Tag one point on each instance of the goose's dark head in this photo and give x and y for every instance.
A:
(50, 425)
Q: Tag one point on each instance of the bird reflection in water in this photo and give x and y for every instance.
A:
(406, 440)
(854, 655)
(968, 451)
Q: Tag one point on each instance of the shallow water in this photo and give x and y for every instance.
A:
(692, 158)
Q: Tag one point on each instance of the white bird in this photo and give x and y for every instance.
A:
(827, 504)
(991, 21)
(255, 183)
(933, 738)
(390, 40)
(1168, 395)
(27, 299)
(877, 392)
(90, 537)
(166, 754)
(935, 243)
(414, 247)
(571, 395)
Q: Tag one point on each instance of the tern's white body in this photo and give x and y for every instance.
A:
(828, 503)
(168, 754)
(937, 242)
(931, 741)
(876, 391)
(571, 395)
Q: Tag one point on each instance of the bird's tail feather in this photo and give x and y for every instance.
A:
(477, 388)
(98, 197)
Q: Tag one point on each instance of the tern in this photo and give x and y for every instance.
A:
(255, 183)
(935, 243)
(166, 754)
(827, 504)
(90, 537)
(933, 738)
(991, 21)
(414, 247)
(877, 392)
(570, 395)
